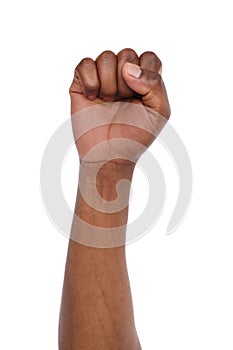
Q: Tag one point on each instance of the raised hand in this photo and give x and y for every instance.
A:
(119, 104)
(118, 97)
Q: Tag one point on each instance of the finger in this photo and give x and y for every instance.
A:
(126, 55)
(107, 71)
(88, 77)
(148, 84)
(150, 61)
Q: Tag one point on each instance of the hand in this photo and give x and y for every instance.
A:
(118, 102)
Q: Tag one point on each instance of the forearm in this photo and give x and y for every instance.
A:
(97, 311)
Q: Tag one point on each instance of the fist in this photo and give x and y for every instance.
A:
(118, 105)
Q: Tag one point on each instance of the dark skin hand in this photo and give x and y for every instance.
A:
(96, 311)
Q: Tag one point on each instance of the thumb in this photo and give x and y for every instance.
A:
(149, 85)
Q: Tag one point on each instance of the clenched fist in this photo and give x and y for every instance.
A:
(118, 105)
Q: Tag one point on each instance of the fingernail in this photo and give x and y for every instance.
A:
(133, 70)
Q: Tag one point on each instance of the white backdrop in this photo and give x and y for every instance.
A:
(182, 284)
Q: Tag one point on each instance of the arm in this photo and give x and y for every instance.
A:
(96, 310)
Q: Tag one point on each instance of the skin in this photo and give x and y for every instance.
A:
(96, 309)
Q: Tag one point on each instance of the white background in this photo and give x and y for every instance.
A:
(182, 284)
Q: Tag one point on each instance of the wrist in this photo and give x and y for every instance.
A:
(102, 204)
(105, 178)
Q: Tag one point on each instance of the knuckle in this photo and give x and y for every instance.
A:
(151, 61)
(85, 62)
(127, 54)
(150, 55)
(84, 66)
(106, 56)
